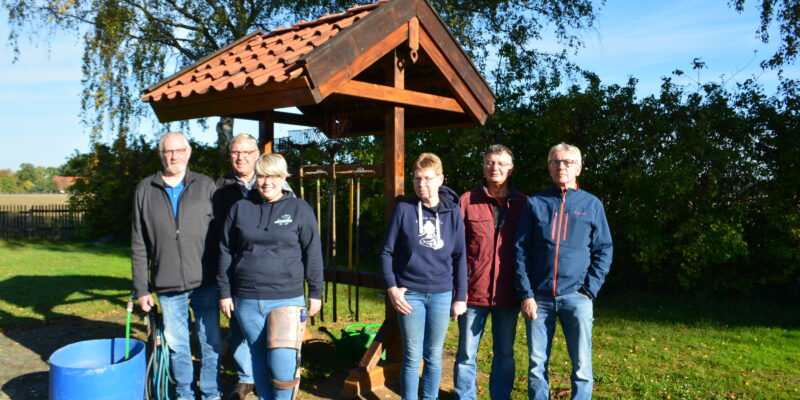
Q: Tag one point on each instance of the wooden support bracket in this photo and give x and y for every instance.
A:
(368, 375)
(413, 39)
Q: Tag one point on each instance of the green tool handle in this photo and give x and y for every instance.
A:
(128, 328)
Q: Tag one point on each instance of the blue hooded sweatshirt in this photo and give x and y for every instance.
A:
(424, 248)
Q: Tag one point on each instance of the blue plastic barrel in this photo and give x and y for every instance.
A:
(97, 369)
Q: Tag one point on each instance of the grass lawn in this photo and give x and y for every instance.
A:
(646, 346)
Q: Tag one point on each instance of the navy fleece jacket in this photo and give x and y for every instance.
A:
(424, 248)
(267, 250)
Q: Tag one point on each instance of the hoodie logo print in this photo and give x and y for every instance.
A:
(428, 236)
(284, 220)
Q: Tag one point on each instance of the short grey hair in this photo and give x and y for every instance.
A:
(163, 138)
(270, 164)
(497, 149)
(568, 148)
(240, 137)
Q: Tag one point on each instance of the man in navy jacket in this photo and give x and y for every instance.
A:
(563, 254)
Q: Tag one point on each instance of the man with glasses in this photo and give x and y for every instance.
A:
(490, 212)
(171, 214)
(231, 188)
(563, 254)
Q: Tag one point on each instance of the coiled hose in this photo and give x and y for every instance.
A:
(158, 375)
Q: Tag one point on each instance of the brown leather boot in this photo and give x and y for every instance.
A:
(242, 390)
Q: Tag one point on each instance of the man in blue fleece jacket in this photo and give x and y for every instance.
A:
(563, 253)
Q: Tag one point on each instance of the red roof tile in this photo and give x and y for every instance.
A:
(257, 59)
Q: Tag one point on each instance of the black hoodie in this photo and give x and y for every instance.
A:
(267, 249)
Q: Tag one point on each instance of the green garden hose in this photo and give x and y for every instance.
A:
(129, 309)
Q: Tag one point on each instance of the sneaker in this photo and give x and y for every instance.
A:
(242, 391)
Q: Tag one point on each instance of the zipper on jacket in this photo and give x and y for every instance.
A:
(178, 241)
(558, 239)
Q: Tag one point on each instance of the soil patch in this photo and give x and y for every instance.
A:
(24, 352)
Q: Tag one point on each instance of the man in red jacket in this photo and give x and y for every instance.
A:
(490, 215)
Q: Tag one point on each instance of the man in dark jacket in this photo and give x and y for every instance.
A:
(171, 215)
(563, 253)
(231, 188)
(490, 212)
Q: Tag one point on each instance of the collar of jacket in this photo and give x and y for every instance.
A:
(158, 179)
(512, 190)
(558, 190)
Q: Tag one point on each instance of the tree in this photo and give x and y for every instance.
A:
(786, 14)
(131, 44)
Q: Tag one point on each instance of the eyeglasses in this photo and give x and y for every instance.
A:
(175, 151)
(271, 178)
(426, 179)
(492, 164)
(567, 163)
(242, 153)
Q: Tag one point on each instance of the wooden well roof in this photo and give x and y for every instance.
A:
(336, 65)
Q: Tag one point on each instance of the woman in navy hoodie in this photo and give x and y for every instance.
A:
(423, 262)
(270, 246)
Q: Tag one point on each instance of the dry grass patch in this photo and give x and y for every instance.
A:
(33, 199)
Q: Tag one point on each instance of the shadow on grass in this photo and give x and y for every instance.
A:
(44, 293)
(30, 386)
(67, 246)
(678, 308)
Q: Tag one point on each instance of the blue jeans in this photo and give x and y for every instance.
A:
(241, 351)
(280, 363)
(204, 302)
(423, 332)
(576, 314)
(470, 330)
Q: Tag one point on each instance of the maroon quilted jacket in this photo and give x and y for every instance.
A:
(490, 251)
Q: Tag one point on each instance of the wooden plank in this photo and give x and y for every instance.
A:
(363, 61)
(446, 42)
(463, 94)
(342, 171)
(247, 103)
(399, 96)
(413, 38)
(465, 97)
(413, 123)
(337, 53)
(281, 117)
(266, 133)
(356, 278)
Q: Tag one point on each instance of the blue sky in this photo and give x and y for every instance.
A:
(40, 94)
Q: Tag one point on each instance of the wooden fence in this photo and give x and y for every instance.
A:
(55, 221)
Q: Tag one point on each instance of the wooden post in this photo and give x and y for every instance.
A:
(266, 132)
(395, 184)
(368, 375)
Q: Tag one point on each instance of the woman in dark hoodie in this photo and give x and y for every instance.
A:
(423, 262)
(270, 246)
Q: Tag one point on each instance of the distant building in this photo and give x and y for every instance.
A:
(63, 182)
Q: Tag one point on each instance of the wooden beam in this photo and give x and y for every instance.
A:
(343, 171)
(334, 62)
(281, 117)
(370, 280)
(467, 71)
(395, 172)
(363, 61)
(395, 137)
(399, 96)
(463, 94)
(266, 132)
(413, 39)
(243, 103)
